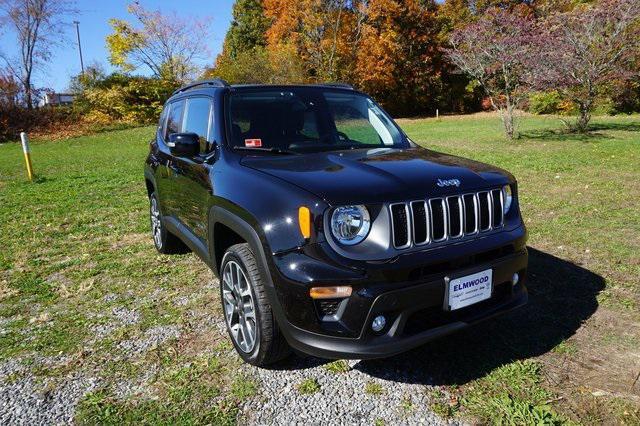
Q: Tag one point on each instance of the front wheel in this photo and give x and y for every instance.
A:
(248, 315)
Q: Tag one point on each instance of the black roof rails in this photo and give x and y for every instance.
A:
(338, 84)
(215, 82)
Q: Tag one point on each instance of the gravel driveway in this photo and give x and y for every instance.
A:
(395, 391)
(351, 397)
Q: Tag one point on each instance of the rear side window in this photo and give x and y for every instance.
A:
(196, 120)
(174, 123)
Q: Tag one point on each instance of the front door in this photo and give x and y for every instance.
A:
(191, 175)
(170, 201)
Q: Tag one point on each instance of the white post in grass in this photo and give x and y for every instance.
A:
(437, 114)
(27, 154)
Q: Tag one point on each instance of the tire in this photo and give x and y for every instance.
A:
(165, 241)
(268, 344)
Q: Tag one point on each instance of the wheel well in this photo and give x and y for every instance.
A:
(150, 187)
(223, 238)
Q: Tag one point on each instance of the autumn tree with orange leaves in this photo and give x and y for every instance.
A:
(324, 33)
(399, 57)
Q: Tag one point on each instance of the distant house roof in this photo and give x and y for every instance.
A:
(57, 99)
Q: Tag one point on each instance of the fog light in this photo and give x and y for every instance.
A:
(378, 323)
(515, 279)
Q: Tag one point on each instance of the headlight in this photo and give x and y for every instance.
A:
(507, 198)
(350, 224)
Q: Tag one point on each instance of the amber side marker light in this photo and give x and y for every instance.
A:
(330, 292)
(304, 220)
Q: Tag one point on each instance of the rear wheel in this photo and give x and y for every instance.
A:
(165, 241)
(248, 315)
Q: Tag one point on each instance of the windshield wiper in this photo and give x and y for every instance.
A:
(261, 149)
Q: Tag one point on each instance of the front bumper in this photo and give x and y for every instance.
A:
(417, 317)
(412, 305)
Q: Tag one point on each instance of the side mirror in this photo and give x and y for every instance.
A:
(184, 144)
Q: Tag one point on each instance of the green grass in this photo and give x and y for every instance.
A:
(373, 388)
(185, 399)
(75, 246)
(407, 405)
(443, 405)
(511, 394)
(337, 367)
(565, 348)
(79, 235)
(309, 386)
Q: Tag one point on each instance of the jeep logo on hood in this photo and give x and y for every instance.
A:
(448, 182)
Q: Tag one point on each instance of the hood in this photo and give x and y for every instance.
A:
(379, 175)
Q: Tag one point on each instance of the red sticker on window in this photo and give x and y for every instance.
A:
(253, 143)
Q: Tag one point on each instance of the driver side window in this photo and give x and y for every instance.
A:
(197, 119)
(174, 122)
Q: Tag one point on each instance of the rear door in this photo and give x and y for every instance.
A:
(191, 175)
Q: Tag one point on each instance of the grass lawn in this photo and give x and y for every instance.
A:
(84, 296)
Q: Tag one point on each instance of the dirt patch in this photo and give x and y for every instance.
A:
(5, 290)
(607, 346)
(601, 364)
(198, 343)
(130, 240)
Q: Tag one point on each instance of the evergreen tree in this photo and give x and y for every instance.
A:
(247, 29)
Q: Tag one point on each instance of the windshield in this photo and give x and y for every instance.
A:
(308, 119)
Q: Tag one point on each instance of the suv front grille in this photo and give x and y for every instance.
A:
(440, 219)
(400, 228)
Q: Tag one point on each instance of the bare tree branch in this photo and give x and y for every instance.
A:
(37, 25)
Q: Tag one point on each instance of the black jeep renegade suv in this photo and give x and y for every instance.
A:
(331, 231)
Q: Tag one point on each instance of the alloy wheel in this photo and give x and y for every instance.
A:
(156, 223)
(239, 307)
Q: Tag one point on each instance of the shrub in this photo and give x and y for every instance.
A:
(627, 99)
(123, 98)
(545, 102)
(605, 106)
(14, 120)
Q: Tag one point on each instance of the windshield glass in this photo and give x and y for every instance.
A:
(309, 120)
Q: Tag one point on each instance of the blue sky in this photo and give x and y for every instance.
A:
(94, 27)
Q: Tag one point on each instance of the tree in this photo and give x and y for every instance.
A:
(324, 32)
(38, 28)
(400, 60)
(248, 27)
(259, 65)
(121, 97)
(167, 45)
(9, 90)
(586, 48)
(496, 51)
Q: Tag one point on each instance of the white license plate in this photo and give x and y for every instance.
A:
(470, 289)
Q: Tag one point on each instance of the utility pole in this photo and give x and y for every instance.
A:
(79, 45)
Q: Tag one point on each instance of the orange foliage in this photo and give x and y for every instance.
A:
(286, 16)
(391, 49)
(399, 56)
(323, 32)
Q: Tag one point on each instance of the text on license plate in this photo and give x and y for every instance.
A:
(470, 289)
